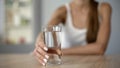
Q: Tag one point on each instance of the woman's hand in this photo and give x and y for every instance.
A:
(40, 50)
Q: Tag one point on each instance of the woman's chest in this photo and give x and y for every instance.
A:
(80, 19)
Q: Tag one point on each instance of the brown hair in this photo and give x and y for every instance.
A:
(93, 25)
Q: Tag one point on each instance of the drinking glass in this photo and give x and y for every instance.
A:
(52, 39)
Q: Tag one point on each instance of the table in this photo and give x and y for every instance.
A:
(28, 61)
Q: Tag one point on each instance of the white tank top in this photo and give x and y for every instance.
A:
(71, 35)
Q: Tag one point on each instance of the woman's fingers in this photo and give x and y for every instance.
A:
(43, 46)
(40, 42)
(39, 57)
(42, 52)
(40, 61)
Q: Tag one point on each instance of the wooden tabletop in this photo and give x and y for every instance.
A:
(28, 61)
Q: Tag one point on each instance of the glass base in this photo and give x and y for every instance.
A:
(54, 60)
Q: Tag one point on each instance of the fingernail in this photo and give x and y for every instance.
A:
(47, 56)
(45, 48)
(43, 64)
(45, 60)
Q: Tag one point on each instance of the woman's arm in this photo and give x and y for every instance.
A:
(40, 48)
(58, 17)
(99, 47)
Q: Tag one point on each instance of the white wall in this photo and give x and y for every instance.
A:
(48, 7)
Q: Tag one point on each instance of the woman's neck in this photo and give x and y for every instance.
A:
(81, 3)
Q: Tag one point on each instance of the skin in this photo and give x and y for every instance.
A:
(80, 10)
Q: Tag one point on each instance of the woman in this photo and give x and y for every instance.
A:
(86, 22)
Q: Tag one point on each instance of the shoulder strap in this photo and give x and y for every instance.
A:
(67, 7)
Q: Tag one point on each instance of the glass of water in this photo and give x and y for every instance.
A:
(52, 39)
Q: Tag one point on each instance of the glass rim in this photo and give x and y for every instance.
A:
(52, 28)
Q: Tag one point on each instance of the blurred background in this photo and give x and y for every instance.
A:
(21, 22)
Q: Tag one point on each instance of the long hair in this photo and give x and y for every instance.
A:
(93, 25)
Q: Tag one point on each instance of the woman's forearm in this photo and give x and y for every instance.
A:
(89, 49)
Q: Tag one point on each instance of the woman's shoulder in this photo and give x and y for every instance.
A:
(105, 5)
(105, 8)
(59, 14)
(61, 10)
